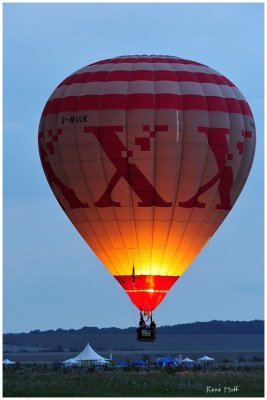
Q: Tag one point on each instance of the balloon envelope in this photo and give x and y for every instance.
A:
(146, 155)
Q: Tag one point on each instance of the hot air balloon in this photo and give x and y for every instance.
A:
(146, 156)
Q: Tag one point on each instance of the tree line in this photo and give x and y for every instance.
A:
(210, 327)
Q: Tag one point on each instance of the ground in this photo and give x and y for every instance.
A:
(32, 380)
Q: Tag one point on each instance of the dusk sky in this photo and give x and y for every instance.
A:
(51, 278)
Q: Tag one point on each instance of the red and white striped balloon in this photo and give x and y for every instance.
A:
(146, 155)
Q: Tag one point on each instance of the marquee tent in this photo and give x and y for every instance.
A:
(165, 361)
(205, 359)
(8, 362)
(71, 362)
(188, 361)
(122, 364)
(89, 356)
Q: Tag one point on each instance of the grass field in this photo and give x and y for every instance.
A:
(49, 381)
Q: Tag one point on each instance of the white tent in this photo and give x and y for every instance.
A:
(88, 355)
(70, 362)
(8, 362)
(205, 359)
(188, 361)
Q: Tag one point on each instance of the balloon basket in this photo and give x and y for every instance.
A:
(146, 335)
(145, 332)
